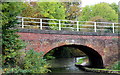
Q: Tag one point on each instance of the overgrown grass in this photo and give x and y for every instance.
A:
(116, 66)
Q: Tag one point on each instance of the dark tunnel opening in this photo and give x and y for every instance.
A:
(95, 59)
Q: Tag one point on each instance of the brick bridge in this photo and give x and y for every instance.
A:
(101, 48)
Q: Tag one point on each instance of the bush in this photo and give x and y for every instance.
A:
(116, 66)
(35, 63)
(15, 69)
(10, 39)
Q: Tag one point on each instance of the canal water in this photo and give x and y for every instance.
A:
(65, 65)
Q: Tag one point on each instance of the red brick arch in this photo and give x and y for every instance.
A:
(95, 59)
(104, 44)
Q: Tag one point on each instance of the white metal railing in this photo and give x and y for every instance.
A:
(56, 24)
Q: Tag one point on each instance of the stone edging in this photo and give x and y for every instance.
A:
(101, 71)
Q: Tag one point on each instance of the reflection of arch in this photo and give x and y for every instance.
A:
(95, 59)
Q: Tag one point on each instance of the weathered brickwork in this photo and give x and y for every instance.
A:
(106, 46)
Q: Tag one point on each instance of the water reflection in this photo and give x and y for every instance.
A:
(64, 65)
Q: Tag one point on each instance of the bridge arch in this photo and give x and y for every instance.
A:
(95, 59)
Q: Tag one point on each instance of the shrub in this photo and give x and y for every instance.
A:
(116, 66)
(35, 63)
(10, 40)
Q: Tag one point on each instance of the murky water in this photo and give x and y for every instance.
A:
(64, 65)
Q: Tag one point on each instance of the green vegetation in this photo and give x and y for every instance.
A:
(11, 44)
(80, 61)
(33, 62)
(103, 10)
(52, 10)
(114, 6)
(72, 9)
(116, 66)
(64, 52)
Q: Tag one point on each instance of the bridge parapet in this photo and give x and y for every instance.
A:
(67, 32)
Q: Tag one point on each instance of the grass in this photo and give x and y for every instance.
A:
(80, 61)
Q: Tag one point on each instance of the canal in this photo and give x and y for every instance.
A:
(65, 65)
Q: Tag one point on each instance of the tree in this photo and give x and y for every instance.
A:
(10, 42)
(101, 9)
(29, 11)
(105, 11)
(114, 6)
(98, 19)
(86, 13)
(52, 10)
(72, 9)
(119, 11)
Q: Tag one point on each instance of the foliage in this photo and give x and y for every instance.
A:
(0, 61)
(116, 66)
(15, 69)
(35, 63)
(29, 11)
(64, 52)
(49, 56)
(86, 13)
(8, 17)
(102, 9)
(105, 11)
(98, 19)
(52, 10)
(81, 60)
(10, 42)
(119, 12)
(114, 6)
(72, 9)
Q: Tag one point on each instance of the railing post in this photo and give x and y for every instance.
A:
(95, 26)
(113, 25)
(77, 25)
(41, 24)
(22, 22)
(59, 25)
